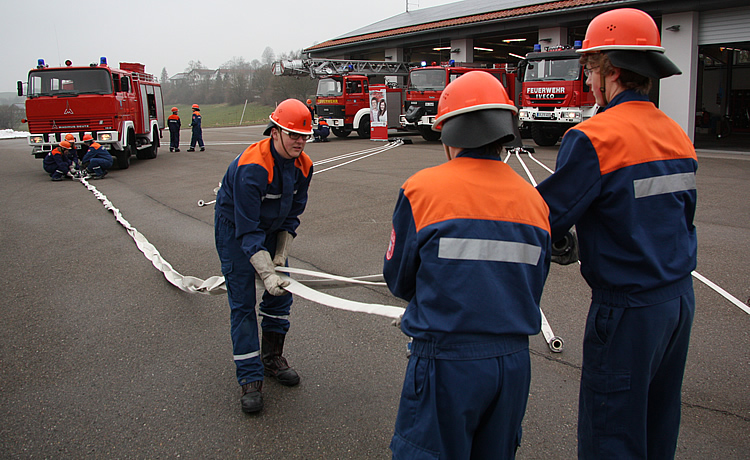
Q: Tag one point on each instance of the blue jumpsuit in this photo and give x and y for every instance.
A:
(626, 179)
(261, 194)
(174, 132)
(470, 251)
(57, 165)
(197, 130)
(99, 160)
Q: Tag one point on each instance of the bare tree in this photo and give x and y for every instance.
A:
(268, 56)
(239, 75)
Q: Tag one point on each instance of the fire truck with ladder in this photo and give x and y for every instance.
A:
(121, 108)
(343, 95)
(554, 94)
(426, 84)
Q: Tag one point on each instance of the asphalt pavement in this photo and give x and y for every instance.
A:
(100, 357)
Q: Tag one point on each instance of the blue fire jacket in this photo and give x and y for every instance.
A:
(262, 193)
(470, 251)
(196, 121)
(97, 151)
(626, 179)
(55, 159)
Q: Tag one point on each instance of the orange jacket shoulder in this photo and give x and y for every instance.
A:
(259, 154)
(468, 188)
(633, 133)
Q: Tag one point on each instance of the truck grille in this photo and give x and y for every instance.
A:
(66, 125)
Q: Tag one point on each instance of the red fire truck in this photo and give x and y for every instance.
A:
(121, 108)
(554, 94)
(426, 83)
(342, 97)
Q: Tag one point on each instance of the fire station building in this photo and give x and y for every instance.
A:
(709, 40)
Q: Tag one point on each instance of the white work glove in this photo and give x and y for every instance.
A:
(283, 243)
(263, 264)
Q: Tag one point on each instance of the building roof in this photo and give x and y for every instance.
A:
(452, 15)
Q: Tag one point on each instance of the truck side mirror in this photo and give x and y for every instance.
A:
(20, 87)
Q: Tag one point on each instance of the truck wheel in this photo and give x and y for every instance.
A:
(341, 132)
(427, 133)
(150, 153)
(545, 134)
(122, 158)
(364, 128)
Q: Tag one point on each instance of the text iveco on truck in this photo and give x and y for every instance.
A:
(554, 94)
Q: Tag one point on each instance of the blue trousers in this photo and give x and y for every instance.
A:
(197, 137)
(99, 166)
(239, 275)
(633, 365)
(174, 138)
(462, 409)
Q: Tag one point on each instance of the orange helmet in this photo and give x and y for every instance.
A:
(622, 29)
(196, 106)
(66, 145)
(70, 137)
(475, 110)
(87, 137)
(631, 40)
(291, 115)
(309, 101)
(175, 109)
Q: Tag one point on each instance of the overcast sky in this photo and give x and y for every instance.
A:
(170, 33)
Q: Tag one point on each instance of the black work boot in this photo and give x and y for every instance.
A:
(274, 364)
(252, 397)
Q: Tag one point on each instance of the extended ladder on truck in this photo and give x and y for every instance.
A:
(316, 68)
(343, 95)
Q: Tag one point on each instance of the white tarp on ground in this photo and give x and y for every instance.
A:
(10, 134)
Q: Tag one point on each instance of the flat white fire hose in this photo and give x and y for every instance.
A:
(555, 343)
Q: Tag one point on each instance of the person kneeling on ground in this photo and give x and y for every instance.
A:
(97, 159)
(61, 162)
(322, 131)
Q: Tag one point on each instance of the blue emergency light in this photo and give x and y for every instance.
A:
(537, 47)
(577, 44)
(40, 63)
(423, 63)
(102, 60)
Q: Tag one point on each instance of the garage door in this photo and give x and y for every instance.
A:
(724, 26)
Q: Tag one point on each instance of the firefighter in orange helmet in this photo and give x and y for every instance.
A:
(626, 179)
(195, 123)
(258, 205)
(174, 130)
(470, 252)
(61, 162)
(97, 159)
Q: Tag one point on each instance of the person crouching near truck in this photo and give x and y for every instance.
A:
(61, 162)
(470, 250)
(97, 159)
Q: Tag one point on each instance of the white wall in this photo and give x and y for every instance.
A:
(677, 94)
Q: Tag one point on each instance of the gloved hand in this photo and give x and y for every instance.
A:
(263, 264)
(283, 243)
(565, 250)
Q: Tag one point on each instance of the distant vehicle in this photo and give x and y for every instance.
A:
(554, 94)
(121, 108)
(343, 94)
(426, 84)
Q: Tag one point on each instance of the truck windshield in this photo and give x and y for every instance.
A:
(553, 70)
(427, 80)
(69, 82)
(330, 87)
